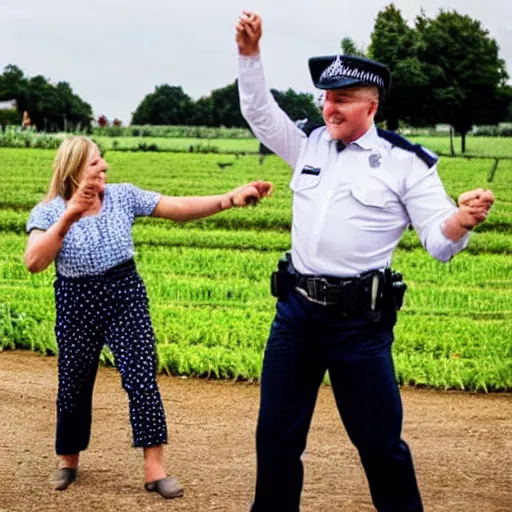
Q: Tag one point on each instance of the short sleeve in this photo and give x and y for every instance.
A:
(41, 217)
(143, 202)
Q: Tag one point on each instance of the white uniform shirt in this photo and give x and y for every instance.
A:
(350, 208)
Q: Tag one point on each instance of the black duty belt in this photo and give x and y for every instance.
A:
(348, 293)
(370, 293)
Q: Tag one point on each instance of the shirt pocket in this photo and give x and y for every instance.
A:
(378, 198)
(303, 181)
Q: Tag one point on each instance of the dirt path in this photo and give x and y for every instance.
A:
(462, 444)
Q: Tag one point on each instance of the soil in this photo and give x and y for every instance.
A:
(461, 442)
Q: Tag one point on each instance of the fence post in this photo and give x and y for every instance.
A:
(493, 170)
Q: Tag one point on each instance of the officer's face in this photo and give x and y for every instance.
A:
(348, 113)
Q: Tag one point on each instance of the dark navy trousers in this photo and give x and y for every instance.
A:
(109, 309)
(305, 341)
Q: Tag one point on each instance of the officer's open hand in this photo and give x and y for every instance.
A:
(250, 194)
(474, 207)
(248, 34)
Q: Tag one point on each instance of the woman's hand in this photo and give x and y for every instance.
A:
(250, 194)
(85, 196)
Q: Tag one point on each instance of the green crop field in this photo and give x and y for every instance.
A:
(476, 146)
(208, 281)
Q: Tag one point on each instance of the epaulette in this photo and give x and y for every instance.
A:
(401, 142)
(310, 126)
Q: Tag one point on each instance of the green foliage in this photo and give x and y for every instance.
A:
(232, 145)
(298, 105)
(501, 130)
(395, 44)
(166, 105)
(349, 47)
(51, 107)
(173, 131)
(221, 108)
(465, 71)
(445, 70)
(208, 280)
(28, 138)
(170, 105)
(9, 117)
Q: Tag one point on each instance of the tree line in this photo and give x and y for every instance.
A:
(50, 106)
(171, 105)
(445, 69)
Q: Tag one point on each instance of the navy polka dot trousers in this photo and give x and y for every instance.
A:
(111, 309)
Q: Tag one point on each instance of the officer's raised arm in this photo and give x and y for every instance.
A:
(268, 122)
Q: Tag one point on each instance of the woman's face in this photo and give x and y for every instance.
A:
(96, 167)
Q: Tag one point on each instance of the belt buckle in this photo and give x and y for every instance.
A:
(317, 287)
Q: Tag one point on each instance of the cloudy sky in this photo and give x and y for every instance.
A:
(114, 52)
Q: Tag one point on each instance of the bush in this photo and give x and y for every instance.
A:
(193, 132)
(147, 147)
(28, 138)
(10, 118)
(498, 130)
(203, 148)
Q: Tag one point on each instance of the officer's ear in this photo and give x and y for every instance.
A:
(373, 94)
(373, 108)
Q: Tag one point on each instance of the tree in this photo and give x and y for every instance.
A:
(9, 116)
(167, 105)
(466, 76)
(14, 85)
(225, 107)
(50, 106)
(349, 47)
(396, 45)
(203, 112)
(75, 111)
(222, 107)
(506, 94)
(170, 105)
(298, 105)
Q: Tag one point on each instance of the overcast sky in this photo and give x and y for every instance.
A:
(114, 52)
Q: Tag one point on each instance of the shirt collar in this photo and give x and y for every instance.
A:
(366, 141)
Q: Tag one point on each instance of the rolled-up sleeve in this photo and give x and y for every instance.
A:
(429, 206)
(268, 122)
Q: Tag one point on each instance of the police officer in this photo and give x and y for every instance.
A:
(355, 190)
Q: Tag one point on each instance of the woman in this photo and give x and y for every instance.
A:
(84, 226)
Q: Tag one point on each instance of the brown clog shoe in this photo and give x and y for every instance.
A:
(167, 487)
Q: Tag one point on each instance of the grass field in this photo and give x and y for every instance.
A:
(477, 146)
(208, 280)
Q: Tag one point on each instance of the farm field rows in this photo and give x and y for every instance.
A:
(208, 281)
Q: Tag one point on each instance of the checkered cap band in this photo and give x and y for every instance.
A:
(338, 69)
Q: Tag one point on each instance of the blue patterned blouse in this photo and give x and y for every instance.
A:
(99, 242)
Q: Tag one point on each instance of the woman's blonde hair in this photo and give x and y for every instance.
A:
(70, 161)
